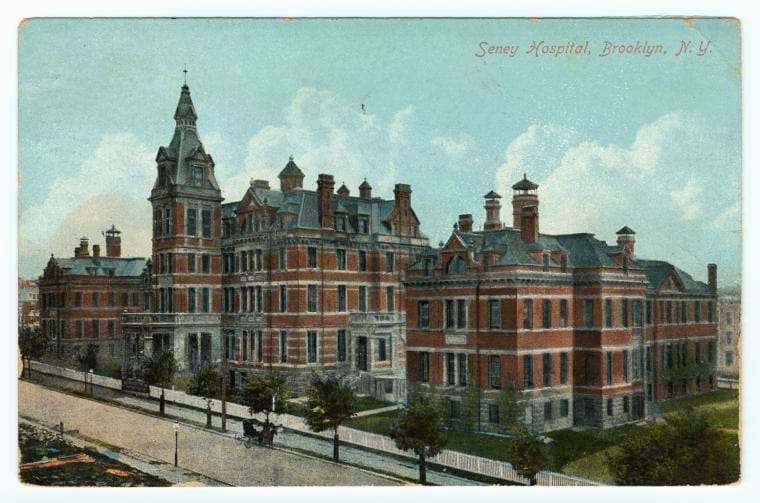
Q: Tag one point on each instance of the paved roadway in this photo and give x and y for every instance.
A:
(200, 450)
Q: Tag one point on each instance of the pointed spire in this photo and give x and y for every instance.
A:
(185, 114)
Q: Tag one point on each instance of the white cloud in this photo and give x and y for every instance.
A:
(729, 219)
(397, 128)
(454, 147)
(687, 199)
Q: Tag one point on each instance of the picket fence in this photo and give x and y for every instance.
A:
(451, 459)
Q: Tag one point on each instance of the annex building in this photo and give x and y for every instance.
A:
(588, 333)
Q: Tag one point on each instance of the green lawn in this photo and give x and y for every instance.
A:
(721, 396)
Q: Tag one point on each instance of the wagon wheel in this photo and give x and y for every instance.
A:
(248, 442)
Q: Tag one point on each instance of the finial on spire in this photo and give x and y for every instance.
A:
(291, 157)
(185, 72)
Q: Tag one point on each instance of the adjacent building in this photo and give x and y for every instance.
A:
(730, 330)
(586, 332)
(82, 299)
(285, 280)
(28, 306)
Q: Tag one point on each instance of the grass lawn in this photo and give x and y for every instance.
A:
(721, 396)
(362, 403)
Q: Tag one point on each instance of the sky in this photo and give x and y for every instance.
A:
(652, 142)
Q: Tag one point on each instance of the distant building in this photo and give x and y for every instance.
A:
(730, 331)
(589, 334)
(28, 307)
(285, 280)
(83, 297)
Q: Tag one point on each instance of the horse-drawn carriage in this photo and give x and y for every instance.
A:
(263, 436)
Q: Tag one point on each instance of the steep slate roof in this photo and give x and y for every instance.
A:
(625, 230)
(291, 169)
(81, 266)
(658, 270)
(525, 184)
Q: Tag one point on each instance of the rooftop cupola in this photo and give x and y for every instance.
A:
(365, 190)
(113, 242)
(493, 212)
(291, 177)
(525, 194)
(343, 191)
(626, 239)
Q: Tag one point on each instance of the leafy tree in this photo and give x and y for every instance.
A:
(510, 409)
(268, 394)
(684, 450)
(160, 370)
(31, 344)
(529, 455)
(470, 406)
(329, 403)
(419, 428)
(207, 383)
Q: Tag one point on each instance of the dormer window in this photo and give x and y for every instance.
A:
(162, 176)
(545, 263)
(363, 225)
(197, 176)
(563, 263)
(340, 224)
(457, 266)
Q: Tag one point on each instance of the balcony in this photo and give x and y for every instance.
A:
(376, 318)
(169, 319)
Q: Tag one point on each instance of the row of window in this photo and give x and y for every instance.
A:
(165, 263)
(60, 328)
(252, 260)
(97, 299)
(162, 222)
(251, 298)
(677, 312)
(676, 354)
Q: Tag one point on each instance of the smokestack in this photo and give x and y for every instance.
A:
(465, 222)
(325, 185)
(83, 249)
(712, 277)
(113, 242)
(260, 184)
(96, 251)
(529, 224)
(493, 212)
(626, 239)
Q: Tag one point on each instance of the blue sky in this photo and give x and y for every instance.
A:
(648, 142)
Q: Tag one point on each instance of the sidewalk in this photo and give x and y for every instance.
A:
(288, 439)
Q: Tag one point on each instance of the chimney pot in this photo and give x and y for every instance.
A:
(325, 186)
(465, 222)
(712, 277)
(96, 251)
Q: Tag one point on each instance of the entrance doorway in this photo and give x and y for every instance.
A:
(361, 353)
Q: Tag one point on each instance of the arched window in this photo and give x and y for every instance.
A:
(457, 266)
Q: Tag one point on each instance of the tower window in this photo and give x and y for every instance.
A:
(192, 214)
(197, 179)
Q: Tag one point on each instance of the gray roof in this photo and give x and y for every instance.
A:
(658, 270)
(525, 184)
(291, 169)
(625, 230)
(90, 266)
(185, 106)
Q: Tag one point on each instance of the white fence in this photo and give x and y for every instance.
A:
(451, 459)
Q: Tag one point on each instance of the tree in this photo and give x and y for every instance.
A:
(268, 394)
(684, 450)
(529, 455)
(31, 344)
(329, 403)
(419, 428)
(160, 370)
(510, 408)
(207, 383)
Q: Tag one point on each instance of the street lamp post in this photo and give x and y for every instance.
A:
(92, 391)
(176, 441)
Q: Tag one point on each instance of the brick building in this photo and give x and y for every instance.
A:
(589, 334)
(83, 297)
(730, 323)
(28, 305)
(285, 280)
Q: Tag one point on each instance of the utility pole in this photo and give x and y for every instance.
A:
(224, 381)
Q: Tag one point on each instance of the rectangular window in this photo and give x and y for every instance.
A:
(259, 300)
(494, 313)
(192, 215)
(709, 312)
(342, 345)
(546, 312)
(205, 263)
(625, 404)
(527, 313)
(563, 263)
(493, 413)
(111, 299)
(462, 368)
(363, 225)
(455, 409)
(450, 369)
(312, 304)
(697, 312)
(388, 261)
(626, 377)
(191, 300)
(78, 299)
(588, 313)
(698, 352)
(389, 299)
(545, 262)
(649, 312)
(283, 298)
(424, 367)
(206, 223)
(563, 313)
(711, 352)
(95, 329)
(340, 259)
(312, 251)
(382, 350)
(609, 406)
(624, 309)
(494, 371)
(111, 329)
(206, 306)
(527, 371)
(649, 359)
(283, 347)
(609, 368)
(95, 299)
(547, 411)
(607, 313)
(259, 260)
(362, 260)
(563, 368)
(684, 318)
(424, 313)
(362, 299)
(311, 336)
(167, 221)
(461, 313)
(449, 313)
(547, 370)
(282, 260)
(564, 407)
(341, 298)
(669, 311)
(80, 328)
(190, 262)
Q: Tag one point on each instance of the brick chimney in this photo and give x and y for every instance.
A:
(260, 184)
(113, 242)
(465, 222)
(493, 212)
(529, 224)
(525, 194)
(626, 239)
(83, 249)
(365, 190)
(325, 185)
(96, 251)
(712, 277)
